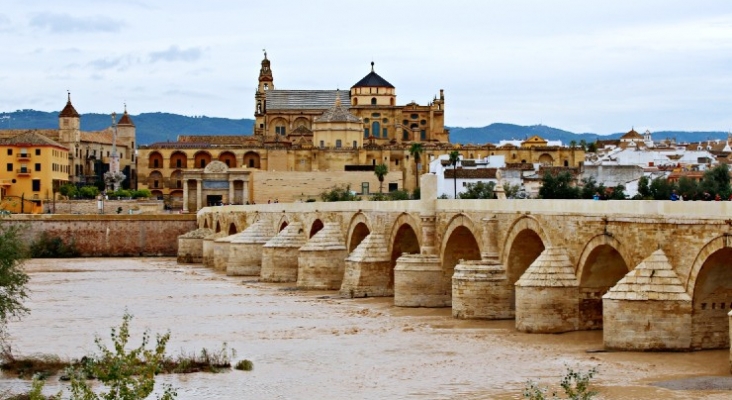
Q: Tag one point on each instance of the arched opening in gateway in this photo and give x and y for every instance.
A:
(712, 301)
(526, 247)
(603, 269)
(461, 245)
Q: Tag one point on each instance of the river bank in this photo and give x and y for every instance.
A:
(315, 345)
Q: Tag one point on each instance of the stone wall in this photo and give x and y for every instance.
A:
(111, 235)
(110, 207)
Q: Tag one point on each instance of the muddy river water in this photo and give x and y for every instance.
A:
(315, 345)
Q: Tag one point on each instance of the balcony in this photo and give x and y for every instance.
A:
(23, 156)
(23, 172)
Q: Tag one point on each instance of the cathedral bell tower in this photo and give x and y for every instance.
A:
(266, 83)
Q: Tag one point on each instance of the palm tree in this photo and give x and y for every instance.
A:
(416, 151)
(381, 170)
(454, 158)
(572, 144)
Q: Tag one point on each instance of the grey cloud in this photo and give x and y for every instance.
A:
(65, 23)
(189, 93)
(106, 63)
(175, 54)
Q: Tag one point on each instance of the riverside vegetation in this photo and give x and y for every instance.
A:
(128, 374)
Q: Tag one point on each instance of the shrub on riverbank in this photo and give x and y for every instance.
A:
(48, 246)
(575, 384)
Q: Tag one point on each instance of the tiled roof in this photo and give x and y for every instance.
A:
(216, 139)
(69, 111)
(632, 134)
(304, 99)
(373, 80)
(301, 130)
(30, 138)
(49, 133)
(125, 120)
(477, 173)
(337, 113)
(520, 166)
(103, 137)
(551, 269)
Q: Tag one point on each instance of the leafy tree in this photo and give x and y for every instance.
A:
(142, 193)
(129, 374)
(558, 186)
(661, 189)
(399, 195)
(454, 159)
(644, 188)
(583, 144)
(479, 190)
(380, 171)
(89, 192)
(511, 190)
(716, 181)
(590, 187)
(592, 147)
(12, 277)
(615, 193)
(416, 150)
(688, 188)
(339, 193)
(416, 194)
(68, 190)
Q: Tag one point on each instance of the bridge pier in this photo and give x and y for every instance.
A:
(190, 246)
(280, 254)
(245, 250)
(221, 252)
(208, 248)
(480, 288)
(547, 294)
(418, 282)
(648, 309)
(368, 269)
(322, 260)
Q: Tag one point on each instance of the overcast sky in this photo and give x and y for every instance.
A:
(583, 66)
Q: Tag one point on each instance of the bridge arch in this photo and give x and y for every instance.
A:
(282, 224)
(232, 229)
(460, 242)
(710, 286)
(525, 241)
(315, 227)
(404, 239)
(358, 229)
(602, 263)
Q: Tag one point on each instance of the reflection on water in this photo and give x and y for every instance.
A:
(314, 345)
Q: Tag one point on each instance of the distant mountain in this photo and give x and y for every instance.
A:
(160, 127)
(151, 127)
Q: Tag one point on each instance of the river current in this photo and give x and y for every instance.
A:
(316, 345)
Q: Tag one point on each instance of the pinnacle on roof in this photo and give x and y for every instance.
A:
(69, 111)
(373, 80)
(125, 120)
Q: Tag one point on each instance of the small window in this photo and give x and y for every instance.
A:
(38, 152)
(405, 135)
(38, 167)
(355, 144)
(155, 164)
(155, 184)
(423, 122)
(10, 152)
(405, 122)
(393, 186)
(385, 120)
(366, 120)
(414, 116)
(396, 161)
(423, 134)
(36, 185)
(385, 133)
(322, 144)
(375, 115)
(178, 163)
(203, 164)
(364, 187)
(338, 143)
(365, 132)
(373, 101)
(10, 167)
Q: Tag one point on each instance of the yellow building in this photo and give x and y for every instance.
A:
(33, 169)
(90, 152)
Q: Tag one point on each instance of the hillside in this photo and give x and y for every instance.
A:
(159, 127)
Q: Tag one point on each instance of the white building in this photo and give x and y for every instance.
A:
(467, 170)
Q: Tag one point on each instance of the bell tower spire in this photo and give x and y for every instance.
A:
(266, 83)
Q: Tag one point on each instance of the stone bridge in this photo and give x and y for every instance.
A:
(654, 275)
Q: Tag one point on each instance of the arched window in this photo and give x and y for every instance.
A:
(373, 101)
(376, 128)
(355, 101)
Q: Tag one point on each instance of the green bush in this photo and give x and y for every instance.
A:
(339, 193)
(122, 193)
(141, 194)
(244, 365)
(68, 190)
(48, 246)
(575, 384)
(89, 192)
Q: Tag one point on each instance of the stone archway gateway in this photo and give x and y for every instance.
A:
(215, 185)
